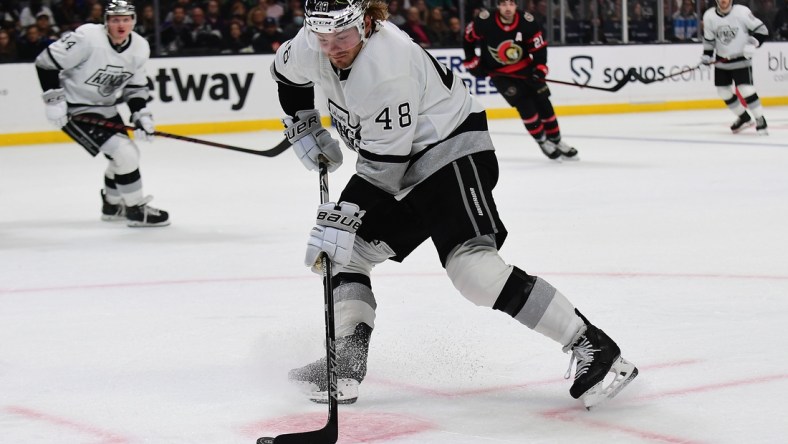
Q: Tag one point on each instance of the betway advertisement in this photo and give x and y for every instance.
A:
(239, 88)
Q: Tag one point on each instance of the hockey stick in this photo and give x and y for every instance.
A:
(275, 151)
(631, 75)
(613, 88)
(641, 79)
(621, 83)
(330, 432)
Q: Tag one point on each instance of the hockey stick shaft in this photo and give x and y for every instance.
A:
(330, 432)
(613, 88)
(631, 75)
(332, 426)
(275, 151)
(636, 76)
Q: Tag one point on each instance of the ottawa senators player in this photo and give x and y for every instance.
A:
(514, 55)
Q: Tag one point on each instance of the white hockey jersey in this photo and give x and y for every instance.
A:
(727, 35)
(94, 75)
(402, 111)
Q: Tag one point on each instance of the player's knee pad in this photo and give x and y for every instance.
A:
(354, 302)
(478, 271)
(749, 95)
(366, 255)
(123, 154)
(746, 90)
(725, 92)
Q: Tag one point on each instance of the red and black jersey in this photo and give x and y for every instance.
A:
(506, 48)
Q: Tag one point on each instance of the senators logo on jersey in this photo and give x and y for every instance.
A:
(507, 53)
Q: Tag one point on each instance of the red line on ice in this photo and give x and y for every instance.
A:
(357, 427)
(454, 393)
(573, 414)
(381, 276)
(105, 436)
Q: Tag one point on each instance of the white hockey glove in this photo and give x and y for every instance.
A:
(143, 125)
(334, 234)
(705, 62)
(706, 59)
(310, 140)
(749, 49)
(56, 108)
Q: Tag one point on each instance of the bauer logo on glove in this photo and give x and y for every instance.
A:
(301, 128)
(334, 234)
(311, 142)
(335, 219)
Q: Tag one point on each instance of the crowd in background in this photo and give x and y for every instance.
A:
(600, 21)
(204, 27)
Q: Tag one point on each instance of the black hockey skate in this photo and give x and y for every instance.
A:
(550, 149)
(743, 122)
(111, 212)
(568, 152)
(760, 126)
(351, 368)
(144, 215)
(596, 355)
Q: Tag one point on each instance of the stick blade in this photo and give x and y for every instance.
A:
(326, 435)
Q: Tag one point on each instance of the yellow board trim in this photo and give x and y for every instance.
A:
(188, 129)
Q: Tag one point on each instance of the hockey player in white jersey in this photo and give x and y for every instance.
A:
(426, 169)
(732, 34)
(86, 73)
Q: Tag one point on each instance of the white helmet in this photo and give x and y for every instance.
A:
(120, 7)
(332, 16)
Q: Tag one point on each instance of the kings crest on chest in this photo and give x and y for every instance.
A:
(108, 79)
(349, 131)
(726, 34)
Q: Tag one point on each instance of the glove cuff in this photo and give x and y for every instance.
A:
(471, 63)
(54, 96)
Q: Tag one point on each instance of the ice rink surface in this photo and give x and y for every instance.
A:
(670, 234)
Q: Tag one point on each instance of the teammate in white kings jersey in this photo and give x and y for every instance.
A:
(426, 169)
(514, 55)
(732, 34)
(86, 73)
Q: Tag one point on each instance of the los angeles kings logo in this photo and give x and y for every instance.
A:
(109, 79)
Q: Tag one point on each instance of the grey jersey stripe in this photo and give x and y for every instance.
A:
(540, 298)
(482, 195)
(465, 198)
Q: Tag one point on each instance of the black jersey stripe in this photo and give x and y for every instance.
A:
(474, 122)
(51, 57)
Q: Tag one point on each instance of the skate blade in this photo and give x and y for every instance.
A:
(138, 224)
(763, 132)
(112, 218)
(624, 372)
(347, 391)
(749, 124)
(559, 159)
